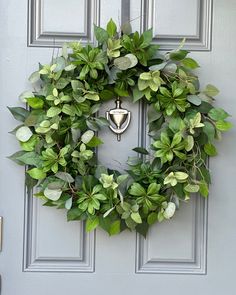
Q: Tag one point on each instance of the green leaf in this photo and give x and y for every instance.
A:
(133, 161)
(106, 94)
(209, 130)
(23, 133)
(30, 182)
(170, 68)
(211, 90)
(153, 189)
(68, 203)
(136, 217)
(20, 114)
(30, 144)
(169, 210)
(100, 34)
(166, 140)
(121, 92)
(137, 190)
(34, 77)
(203, 189)
(180, 176)
(121, 178)
(65, 176)
(158, 66)
(133, 59)
(217, 114)
(94, 142)
(70, 67)
(35, 102)
(223, 125)
(35, 117)
(25, 94)
(176, 124)
(122, 63)
(92, 96)
(176, 139)
(142, 229)
(147, 37)
(210, 149)
(177, 92)
(73, 214)
(152, 218)
(178, 55)
(37, 173)
(30, 158)
(191, 188)
(111, 28)
(114, 228)
(126, 28)
(190, 63)
(53, 111)
(62, 83)
(194, 99)
(52, 194)
(153, 114)
(137, 94)
(91, 223)
(15, 157)
(87, 136)
(141, 150)
(102, 121)
(189, 143)
(68, 109)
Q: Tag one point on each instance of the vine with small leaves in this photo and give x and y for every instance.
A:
(58, 134)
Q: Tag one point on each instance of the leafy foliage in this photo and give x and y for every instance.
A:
(58, 138)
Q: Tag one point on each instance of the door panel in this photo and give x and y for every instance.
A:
(42, 253)
(52, 243)
(179, 250)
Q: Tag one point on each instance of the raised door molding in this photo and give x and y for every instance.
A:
(184, 253)
(53, 245)
(46, 27)
(173, 20)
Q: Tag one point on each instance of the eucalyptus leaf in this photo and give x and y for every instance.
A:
(194, 99)
(87, 136)
(123, 63)
(34, 77)
(20, 114)
(65, 176)
(53, 194)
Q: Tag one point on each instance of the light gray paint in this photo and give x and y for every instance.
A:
(197, 22)
(47, 249)
(182, 252)
(188, 19)
(118, 259)
(43, 31)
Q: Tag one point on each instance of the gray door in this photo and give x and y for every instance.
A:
(43, 254)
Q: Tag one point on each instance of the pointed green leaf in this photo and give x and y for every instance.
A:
(20, 114)
(114, 228)
(111, 28)
(92, 223)
(37, 173)
(136, 217)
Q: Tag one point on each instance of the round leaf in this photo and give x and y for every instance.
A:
(87, 136)
(52, 194)
(23, 133)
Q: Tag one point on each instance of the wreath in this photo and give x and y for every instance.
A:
(58, 134)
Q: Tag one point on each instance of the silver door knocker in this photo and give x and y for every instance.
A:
(120, 118)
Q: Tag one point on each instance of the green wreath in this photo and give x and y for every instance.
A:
(58, 134)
